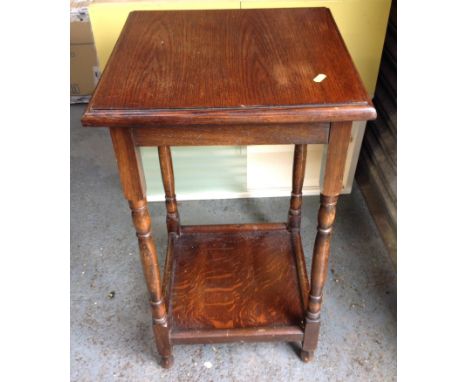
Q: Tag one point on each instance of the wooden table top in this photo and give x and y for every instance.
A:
(228, 66)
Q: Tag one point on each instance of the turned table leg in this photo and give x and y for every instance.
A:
(132, 179)
(340, 134)
(300, 156)
(167, 174)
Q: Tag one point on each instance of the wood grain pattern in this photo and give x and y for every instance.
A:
(226, 58)
(261, 334)
(129, 163)
(235, 280)
(326, 218)
(232, 228)
(149, 260)
(232, 135)
(167, 277)
(301, 267)
(250, 115)
(231, 77)
(340, 134)
(228, 66)
(133, 185)
(167, 175)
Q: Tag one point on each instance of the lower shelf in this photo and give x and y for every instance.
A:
(236, 283)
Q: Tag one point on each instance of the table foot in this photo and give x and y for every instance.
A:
(306, 356)
(167, 362)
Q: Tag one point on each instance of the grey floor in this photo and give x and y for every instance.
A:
(111, 338)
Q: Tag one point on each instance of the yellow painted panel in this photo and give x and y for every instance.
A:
(362, 23)
(108, 18)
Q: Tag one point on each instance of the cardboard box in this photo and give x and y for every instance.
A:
(84, 69)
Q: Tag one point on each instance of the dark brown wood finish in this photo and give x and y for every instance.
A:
(299, 165)
(167, 174)
(231, 77)
(236, 282)
(128, 160)
(294, 216)
(254, 57)
(340, 135)
(301, 267)
(131, 175)
(213, 117)
(228, 66)
(167, 279)
(236, 135)
(261, 334)
(220, 228)
(234, 279)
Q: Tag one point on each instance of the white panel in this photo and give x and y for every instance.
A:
(202, 172)
(269, 170)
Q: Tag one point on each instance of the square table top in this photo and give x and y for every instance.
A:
(228, 66)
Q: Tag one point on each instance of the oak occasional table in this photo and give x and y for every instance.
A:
(231, 77)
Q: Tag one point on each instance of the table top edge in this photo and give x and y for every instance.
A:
(225, 116)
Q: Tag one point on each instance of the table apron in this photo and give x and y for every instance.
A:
(236, 135)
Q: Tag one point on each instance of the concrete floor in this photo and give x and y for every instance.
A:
(111, 338)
